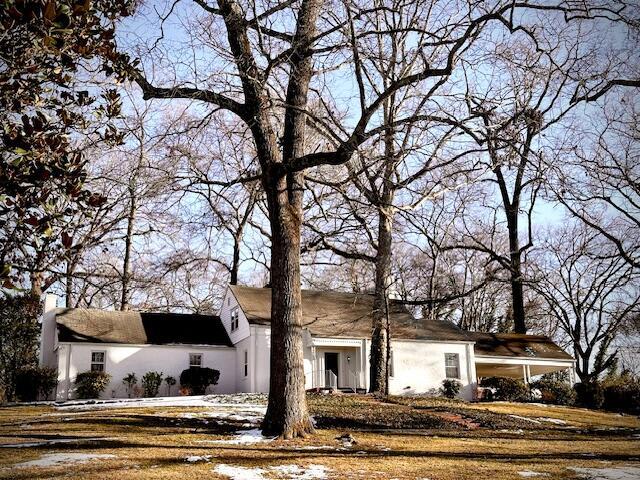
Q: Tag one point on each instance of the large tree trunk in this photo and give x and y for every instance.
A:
(515, 257)
(287, 414)
(379, 335)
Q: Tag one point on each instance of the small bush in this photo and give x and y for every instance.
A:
(554, 391)
(170, 381)
(589, 394)
(197, 379)
(91, 384)
(130, 382)
(509, 389)
(450, 388)
(33, 383)
(622, 393)
(151, 382)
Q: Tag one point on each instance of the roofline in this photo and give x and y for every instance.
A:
(147, 345)
(547, 359)
(419, 340)
(61, 310)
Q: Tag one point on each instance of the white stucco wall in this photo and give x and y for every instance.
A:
(419, 367)
(123, 359)
(261, 357)
(229, 303)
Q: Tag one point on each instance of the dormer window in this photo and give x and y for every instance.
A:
(234, 319)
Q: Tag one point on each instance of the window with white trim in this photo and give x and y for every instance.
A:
(234, 319)
(452, 365)
(246, 363)
(195, 360)
(98, 361)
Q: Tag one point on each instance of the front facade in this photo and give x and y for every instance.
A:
(336, 332)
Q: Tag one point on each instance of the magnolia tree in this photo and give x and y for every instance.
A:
(42, 171)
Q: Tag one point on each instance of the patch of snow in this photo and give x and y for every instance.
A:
(55, 459)
(311, 472)
(290, 472)
(244, 400)
(529, 473)
(557, 421)
(611, 473)
(243, 437)
(532, 420)
(240, 473)
(198, 458)
(516, 432)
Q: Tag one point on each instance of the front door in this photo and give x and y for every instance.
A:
(331, 369)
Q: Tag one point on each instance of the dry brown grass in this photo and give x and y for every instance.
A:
(152, 443)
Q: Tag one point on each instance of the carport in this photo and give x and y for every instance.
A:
(519, 356)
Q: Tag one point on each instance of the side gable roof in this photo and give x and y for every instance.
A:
(517, 345)
(100, 326)
(340, 314)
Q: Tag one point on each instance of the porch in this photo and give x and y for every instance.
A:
(338, 364)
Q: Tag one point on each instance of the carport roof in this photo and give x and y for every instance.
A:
(517, 345)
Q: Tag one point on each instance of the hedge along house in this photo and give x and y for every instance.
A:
(336, 332)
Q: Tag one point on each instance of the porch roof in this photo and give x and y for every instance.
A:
(341, 314)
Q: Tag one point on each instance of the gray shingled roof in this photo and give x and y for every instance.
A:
(517, 345)
(102, 326)
(340, 314)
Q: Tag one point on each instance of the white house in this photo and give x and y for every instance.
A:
(337, 328)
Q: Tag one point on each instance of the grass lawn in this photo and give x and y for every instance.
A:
(398, 438)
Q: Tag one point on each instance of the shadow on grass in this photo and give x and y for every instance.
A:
(277, 455)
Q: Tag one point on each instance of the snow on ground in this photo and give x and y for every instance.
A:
(244, 400)
(529, 474)
(557, 421)
(242, 437)
(251, 414)
(197, 458)
(532, 420)
(611, 473)
(55, 459)
(49, 442)
(290, 472)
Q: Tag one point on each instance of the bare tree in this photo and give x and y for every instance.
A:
(272, 71)
(592, 293)
(600, 183)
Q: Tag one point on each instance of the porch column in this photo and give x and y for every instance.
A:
(314, 367)
(525, 376)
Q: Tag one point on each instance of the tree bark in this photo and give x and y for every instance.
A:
(68, 301)
(128, 242)
(515, 274)
(287, 413)
(379, 334)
